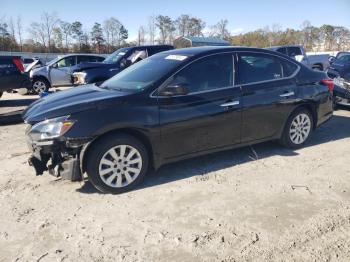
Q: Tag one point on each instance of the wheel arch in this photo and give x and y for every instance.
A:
(318, 65)
(38, 77)
(311, 107)
(139, 135)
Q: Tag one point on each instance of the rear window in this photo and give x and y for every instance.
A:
(294, 51)
(254, 67)
(282, 50)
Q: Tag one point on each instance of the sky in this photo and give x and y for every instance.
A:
(243, 16)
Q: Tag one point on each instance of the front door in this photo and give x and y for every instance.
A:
(60, 73)
(209, 116)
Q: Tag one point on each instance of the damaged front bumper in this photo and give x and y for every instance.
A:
(61, 158)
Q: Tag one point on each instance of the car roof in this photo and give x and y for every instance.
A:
(67, 55)
(198, 51)
(279, 46)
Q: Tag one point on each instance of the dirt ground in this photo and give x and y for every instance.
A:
(259, 203)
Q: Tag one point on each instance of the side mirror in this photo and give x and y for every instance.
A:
(331, 59)
(174, 89)
(55, 65)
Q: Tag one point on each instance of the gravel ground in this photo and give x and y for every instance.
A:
(259, 203)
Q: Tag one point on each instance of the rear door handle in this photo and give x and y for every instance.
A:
(231, 103)
(287, 94)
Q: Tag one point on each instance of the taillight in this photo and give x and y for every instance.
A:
(19, 64)
(329, 83)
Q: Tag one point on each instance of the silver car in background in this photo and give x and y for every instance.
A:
(58, 71)
(317, 62)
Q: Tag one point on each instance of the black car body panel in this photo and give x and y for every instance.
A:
(10, 76)
(98, 72)
(181, 126)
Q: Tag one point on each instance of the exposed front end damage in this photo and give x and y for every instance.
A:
(59, 158)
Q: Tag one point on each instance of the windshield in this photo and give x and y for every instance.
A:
(143, 74)
(51, 62)
(116, 56)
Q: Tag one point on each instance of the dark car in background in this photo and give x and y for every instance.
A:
(317, 62)
(58, 71)
(172, 106)
(87, 73)
(12, 75)
(339, 70)
(340, 66)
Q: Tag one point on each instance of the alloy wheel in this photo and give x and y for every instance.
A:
(120, 166)
(39, 87)
(300, 128)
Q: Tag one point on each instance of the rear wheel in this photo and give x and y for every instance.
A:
(117, 163)
(40, 85)
(298, 129)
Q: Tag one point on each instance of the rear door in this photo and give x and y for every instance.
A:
(268, 93)
(209, 116)
(60, 73)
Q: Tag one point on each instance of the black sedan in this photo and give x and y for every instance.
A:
(175, 105)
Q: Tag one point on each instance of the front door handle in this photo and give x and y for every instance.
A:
(231, 103)
(287, 94)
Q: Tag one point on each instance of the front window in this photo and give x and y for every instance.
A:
(143, 74)
(66, 62)
(116, 56)
(207, 74)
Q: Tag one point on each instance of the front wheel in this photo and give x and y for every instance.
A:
(117, 163)
(298, 129)
(40, 86)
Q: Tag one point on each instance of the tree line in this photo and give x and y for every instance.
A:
(51, 34)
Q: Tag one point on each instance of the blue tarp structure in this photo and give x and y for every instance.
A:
(192, 41)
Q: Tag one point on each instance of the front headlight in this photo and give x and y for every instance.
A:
(50, 128)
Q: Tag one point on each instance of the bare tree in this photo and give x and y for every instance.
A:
(19, 32)
(37, 32)
(182, 24)
(141, 35)
(220, 30)
(115, 32)
(12, 29)
(152, 28)
(166, 28)
(66, 30)
(49, 22)
(42, 31)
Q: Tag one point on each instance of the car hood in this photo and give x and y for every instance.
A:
(90, 65)
(70, 101)
(32, 65)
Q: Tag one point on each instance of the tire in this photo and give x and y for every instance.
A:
(111, 173)
(298, 129)
(40, 85)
